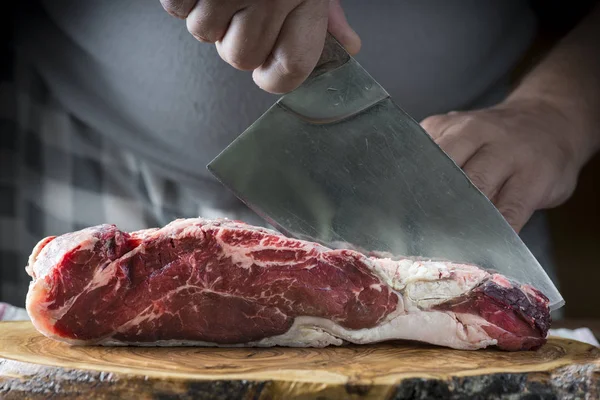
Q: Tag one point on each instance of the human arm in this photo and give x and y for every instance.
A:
(525, 153)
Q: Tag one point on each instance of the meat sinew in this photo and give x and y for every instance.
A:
(225, 283)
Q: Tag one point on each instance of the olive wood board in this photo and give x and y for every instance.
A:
(33, 366)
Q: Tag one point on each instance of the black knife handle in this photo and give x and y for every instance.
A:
(333, 56)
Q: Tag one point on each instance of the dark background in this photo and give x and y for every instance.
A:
(575, 226)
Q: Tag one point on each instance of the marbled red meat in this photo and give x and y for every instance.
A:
(222, 282)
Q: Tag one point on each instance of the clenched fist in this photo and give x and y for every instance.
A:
(280, 40)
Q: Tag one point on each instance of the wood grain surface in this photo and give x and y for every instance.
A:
(32, 366)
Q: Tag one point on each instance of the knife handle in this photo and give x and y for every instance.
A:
(333, 56)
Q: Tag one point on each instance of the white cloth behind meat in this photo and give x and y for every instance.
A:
(584, 335)
(11, 313)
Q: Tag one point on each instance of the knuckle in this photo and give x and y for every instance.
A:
(480, 180)
(283, 77)
(562, 156)
(469, 120)
(563, 193)
(170, 5)
(270, 82)
(240, 59)
(177, 8)
(200, 29)
(514, 212)
(292, 69)
(194, 26)
(431, 123)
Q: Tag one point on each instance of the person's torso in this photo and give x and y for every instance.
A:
(133, 72)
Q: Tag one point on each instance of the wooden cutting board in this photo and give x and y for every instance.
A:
(32, 366)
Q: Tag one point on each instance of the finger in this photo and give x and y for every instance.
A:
(339, 27)
(178, 8)
(209, 19)
(461, 140)
(435, 125)
(517, 201)
(251, 35)
(297, 49)
(488, 170)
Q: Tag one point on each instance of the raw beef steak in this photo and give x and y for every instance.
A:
(226, 283)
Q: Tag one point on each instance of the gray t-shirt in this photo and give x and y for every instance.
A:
(135, 74)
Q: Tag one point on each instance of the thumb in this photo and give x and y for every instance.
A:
(340, 28)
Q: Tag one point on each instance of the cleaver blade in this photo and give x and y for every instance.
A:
(337, 162)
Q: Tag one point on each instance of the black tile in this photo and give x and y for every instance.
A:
(34, 219)
(13, 279)
(84, 134)
(8, 204)
(8, 134)
(33, 152)
(87, 174)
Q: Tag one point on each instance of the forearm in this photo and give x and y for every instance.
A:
(568, 80)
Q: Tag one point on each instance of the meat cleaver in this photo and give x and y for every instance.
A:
(337, 162)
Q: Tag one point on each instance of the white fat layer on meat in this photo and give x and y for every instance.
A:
(192, 223)
(423, 326)
(424, 284)
(42, 261)
(435, 327)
